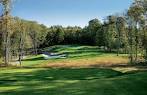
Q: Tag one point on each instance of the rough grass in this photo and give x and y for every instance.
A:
(0, 60)
(89, 62)
(78, 56)
(91, 81)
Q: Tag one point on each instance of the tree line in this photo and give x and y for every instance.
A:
(123, 33)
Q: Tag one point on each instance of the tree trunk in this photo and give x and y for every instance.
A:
(6, 29)
(136, 46)
(6, 43)
(131, 45)
(118, 49)
(146, 54)
(131, 55)
(20, 49)
(6, 48)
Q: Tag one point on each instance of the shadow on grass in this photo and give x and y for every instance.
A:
(64, 74)
(45, 74)
(82, 81)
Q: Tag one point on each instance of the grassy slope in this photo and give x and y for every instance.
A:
(92, 81)
(82, 81)
(76, 55)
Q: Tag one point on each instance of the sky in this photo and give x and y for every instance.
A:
(67, 12)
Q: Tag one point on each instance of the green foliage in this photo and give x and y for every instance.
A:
(121, 33)
(101, 37)
(94, 26)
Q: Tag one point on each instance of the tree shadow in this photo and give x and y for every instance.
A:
(47, 74)
(65, 81)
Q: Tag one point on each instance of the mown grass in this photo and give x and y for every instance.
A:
(91, 81)
(32, 79)
(76, 56)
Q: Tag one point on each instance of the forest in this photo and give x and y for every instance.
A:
(120, 39)
(123, 33)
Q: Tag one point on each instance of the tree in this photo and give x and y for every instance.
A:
(100, 36)
(120, 27)
(1, 38)
(135, 13)
(6, 29)
(131, 37)
(93, 28)
(59, 35)
(143, 24)
(33, 32)
(21, 40)
(42, 35)
(111, 32)
(144, 36)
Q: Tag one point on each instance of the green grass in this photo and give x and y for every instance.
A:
(91, 81)
(74, 52)
(32, 79)
(33, 60)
